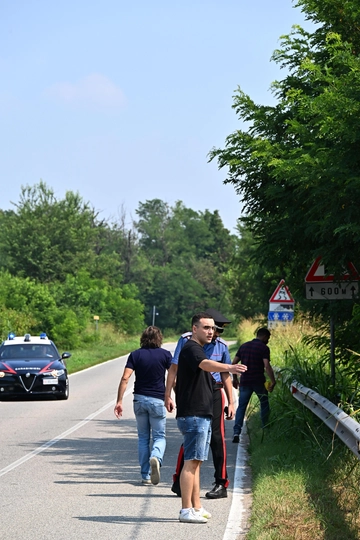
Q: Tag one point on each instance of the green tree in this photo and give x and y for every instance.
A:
(87, 296)
(46, 238)
(297, 165)
(152, 225)
(182, 257)
(248, 282)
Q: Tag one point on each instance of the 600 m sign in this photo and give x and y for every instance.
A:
(332, 291)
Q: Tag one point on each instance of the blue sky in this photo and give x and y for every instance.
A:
(122, 101)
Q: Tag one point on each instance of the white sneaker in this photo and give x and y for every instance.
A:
(190, 516)
(155, 470)
(204, 513)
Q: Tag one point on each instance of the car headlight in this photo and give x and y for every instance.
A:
(57, 373)
(2, 374)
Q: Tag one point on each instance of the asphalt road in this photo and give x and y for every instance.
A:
(69, 469)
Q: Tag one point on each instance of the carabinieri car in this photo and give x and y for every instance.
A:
(31, 366)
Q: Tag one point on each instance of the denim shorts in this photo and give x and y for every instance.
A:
(197, 434)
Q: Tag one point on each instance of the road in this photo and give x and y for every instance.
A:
(69, 469)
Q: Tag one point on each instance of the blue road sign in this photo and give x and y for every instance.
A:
(281, 316)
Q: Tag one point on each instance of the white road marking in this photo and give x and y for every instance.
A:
(237, 512)
(48, 444)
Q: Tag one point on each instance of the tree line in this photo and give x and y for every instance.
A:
(61, 264)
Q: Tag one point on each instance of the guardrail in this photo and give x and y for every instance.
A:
(345, 427)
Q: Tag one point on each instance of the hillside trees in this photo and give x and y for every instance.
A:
(60, 265)
(249, 284)
(184, 254)
(46, 238)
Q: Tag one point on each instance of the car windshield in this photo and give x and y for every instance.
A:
(27, 350)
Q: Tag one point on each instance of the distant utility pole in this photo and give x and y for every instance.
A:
(154, 313)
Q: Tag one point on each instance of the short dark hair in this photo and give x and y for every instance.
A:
(263, 332)
(202, 315)
(151, 338)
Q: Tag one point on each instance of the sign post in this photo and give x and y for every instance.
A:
(154, 313)
(322, 286)
(96, 319)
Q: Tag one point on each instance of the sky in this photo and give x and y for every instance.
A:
(122, 101)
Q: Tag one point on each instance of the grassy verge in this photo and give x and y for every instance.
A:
(98, 353)
(305, 480)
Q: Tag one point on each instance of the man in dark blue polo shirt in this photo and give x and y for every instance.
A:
(255, 355)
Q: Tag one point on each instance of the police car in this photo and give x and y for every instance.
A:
(31, 366)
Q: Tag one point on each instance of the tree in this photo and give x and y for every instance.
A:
(46, 238)
(249, 284)
(154, 217)
(182, 257)
(297, 167)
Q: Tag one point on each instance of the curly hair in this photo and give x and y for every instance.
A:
(151, 338)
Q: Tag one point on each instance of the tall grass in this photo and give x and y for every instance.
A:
(305, 480)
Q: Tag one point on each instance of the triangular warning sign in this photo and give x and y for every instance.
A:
(317, 273)
(282, 294)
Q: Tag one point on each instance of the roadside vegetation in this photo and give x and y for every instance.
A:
(104, 344)
(306, 483)
(61, 265)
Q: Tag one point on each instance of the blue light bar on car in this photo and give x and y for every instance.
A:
(43, 335)
(11, 335)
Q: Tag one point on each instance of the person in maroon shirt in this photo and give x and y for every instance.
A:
(255, 355)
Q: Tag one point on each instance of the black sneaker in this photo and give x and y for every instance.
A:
(236, 439)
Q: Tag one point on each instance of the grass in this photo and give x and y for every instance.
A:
(102, 346)
(305, 480)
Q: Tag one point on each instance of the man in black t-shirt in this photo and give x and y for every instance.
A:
(255, 355)
(194, 401)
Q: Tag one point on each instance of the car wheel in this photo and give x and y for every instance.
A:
(65, 395)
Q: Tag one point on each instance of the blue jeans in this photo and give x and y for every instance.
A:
(150, 416)
(244, 398)
(197, 434)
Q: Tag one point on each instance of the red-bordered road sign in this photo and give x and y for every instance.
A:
(316, 273)
(282, 295)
